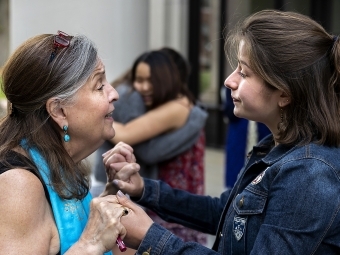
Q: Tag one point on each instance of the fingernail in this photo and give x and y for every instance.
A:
(120, 194)
(115, 182)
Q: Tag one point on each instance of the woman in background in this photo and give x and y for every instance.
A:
(169, 107)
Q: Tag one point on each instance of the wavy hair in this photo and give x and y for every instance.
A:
(29, 80)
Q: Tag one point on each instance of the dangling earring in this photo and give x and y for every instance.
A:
(281, 115)
(66, 136)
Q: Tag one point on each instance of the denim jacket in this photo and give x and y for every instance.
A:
(286, 201)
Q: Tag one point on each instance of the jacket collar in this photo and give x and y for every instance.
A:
(274, 153)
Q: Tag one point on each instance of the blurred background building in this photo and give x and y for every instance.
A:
(122, 29)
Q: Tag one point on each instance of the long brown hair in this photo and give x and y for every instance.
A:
(29, 80)
(295, 54)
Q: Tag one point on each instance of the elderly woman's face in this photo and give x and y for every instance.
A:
(90, 117)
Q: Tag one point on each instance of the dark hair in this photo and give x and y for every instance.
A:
(295, 54)
(165, 77)
(28, 82)
(180, 62)
(183, 68)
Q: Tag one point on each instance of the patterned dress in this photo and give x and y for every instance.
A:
(186, 172)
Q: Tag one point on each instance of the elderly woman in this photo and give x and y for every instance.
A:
(60, 112)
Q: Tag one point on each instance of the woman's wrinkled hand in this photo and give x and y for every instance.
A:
(122, 171)
(104, 226)
(117, 158)
(123, 149)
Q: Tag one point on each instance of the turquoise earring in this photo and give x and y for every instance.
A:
(66, 136)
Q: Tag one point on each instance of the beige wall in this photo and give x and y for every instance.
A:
(119, 28)
(4, 32)
(122, 29)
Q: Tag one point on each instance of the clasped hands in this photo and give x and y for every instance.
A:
(122, 171)
(123, 176)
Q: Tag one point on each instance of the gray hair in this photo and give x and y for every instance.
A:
(79, 64)
(29, 80)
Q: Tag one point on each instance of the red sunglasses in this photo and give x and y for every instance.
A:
(61, 40)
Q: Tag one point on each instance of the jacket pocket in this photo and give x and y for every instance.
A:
(249, 202)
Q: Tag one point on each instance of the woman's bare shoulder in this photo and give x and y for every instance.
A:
(26, 217)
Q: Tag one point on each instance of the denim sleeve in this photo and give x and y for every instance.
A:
(303, 209)
(159, 240)
(171, 144)
(201, 213)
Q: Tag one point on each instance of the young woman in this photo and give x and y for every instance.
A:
(60, 112)
(286, 198)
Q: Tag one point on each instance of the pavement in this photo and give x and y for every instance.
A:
(214, 177)
(214, 171)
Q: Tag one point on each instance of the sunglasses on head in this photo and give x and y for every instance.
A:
(60, 40)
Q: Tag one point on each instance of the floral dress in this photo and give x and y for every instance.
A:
(186, 172)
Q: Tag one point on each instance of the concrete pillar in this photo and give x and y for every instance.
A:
(168, 24)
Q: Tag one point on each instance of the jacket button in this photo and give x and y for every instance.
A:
(240, 203)
(147, 252)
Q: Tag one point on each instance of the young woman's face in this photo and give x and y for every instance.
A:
(90, 117)
(142, 82)
(253, 100)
